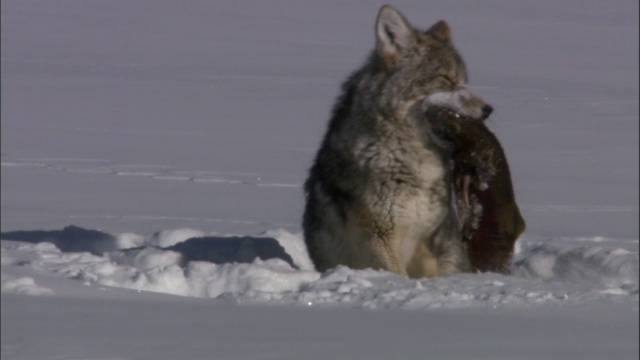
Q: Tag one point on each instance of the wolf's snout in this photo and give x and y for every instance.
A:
(486, 111)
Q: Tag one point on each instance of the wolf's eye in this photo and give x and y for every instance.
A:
(446, 81)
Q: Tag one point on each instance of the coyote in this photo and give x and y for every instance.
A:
(490, 219)
(379, 193)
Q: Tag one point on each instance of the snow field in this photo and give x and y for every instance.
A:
(182, 133)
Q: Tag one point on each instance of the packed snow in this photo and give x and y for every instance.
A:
(153, 155)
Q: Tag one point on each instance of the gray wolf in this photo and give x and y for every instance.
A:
(490, 218)
(379, 193)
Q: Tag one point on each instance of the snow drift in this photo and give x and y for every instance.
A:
(274, 268)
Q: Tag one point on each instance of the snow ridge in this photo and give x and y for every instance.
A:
(274, 268)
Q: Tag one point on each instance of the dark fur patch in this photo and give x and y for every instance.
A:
(491, 230)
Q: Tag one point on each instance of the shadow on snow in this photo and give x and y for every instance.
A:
(214, 249)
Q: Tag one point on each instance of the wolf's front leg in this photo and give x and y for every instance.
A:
(371, 240)
(448, 248)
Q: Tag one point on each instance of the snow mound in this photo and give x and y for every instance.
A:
(171, 237)
(23, 285)
(275, 268)
(607, 267)
(19, 285)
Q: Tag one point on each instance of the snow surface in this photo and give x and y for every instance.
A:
(156, 148)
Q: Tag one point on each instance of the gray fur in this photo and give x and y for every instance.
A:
(379, 192)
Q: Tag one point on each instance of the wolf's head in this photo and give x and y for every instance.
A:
(423, 66)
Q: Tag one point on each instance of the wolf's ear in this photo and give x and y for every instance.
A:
(394, 34)
(440, 31)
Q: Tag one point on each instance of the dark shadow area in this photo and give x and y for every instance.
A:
(223, 250)
(70, 239)
(218, 250)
